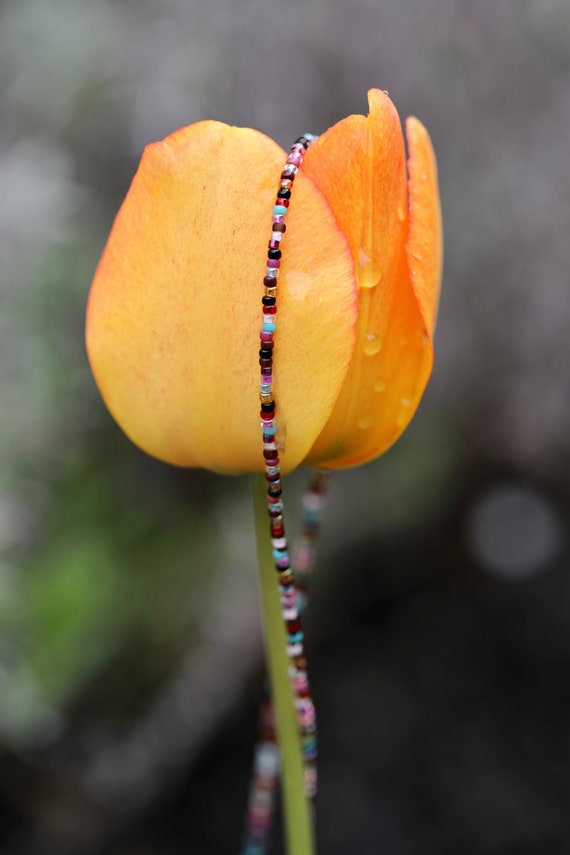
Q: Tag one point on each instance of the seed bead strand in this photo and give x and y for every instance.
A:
(304, 553)
(295, 646)
(265, 775)
(261, 802)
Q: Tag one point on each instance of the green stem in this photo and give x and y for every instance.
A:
(296, 808)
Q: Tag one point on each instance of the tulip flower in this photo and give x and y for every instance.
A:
(173, 315)
(173, 333)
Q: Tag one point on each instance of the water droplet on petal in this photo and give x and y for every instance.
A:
(298, 284)
(368, 272)
(365, 421)
(404, 413)
(372, 344)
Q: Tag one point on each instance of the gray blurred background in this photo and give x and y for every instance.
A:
(130, 654)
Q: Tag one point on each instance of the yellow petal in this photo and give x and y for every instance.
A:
(359, 165)
(175, 308)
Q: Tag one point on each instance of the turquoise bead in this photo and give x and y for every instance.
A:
(279, 210)
(267, 327)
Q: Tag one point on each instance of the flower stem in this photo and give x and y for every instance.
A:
(296, 807)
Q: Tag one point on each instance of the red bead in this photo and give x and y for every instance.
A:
(293, 626)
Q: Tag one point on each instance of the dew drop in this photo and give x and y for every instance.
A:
(368, 272)
(299, 284)
(372, 344)
(403, 416)
(380, 385)
(365, 421)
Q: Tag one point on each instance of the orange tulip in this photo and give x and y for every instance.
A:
(174, 311)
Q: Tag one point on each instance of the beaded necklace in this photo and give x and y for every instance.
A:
(295, 646)
(292, 591)
(265, 776)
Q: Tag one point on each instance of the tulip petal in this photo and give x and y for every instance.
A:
(175, 308)
(393, 354)
(425, 237)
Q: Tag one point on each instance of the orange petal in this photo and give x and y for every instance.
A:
(359, 165)
(425, 237)
(175, 308)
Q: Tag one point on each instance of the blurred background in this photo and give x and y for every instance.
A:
(439, 633)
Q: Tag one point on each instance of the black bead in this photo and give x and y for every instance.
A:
(264, 353)
(268, 301)
(274, 254)
(283, 193)
(303, 141)
(274, 493)
(268, 408)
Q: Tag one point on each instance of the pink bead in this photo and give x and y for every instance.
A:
(304, 557)
(295, 159)
(266, 336)
(273, 262)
